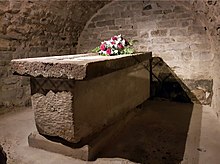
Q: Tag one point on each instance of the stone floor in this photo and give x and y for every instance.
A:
(157, 134)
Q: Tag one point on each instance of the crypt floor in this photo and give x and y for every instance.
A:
(157, 134)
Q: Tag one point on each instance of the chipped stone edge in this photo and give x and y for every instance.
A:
(73, 71)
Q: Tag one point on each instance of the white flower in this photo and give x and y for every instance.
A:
(123, 42)
(115, 51)
(102, 52)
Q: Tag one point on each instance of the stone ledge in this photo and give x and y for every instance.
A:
(78, 67)
(38, 141)
(87, 150)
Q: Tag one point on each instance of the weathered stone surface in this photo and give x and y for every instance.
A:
(158, 33)
(67, 90)
(179, 32)
(105, 23)
(39, 28)
(53, 28)
(64, 107)
(170, 28)
(86, 151)
(37, 141)
(76, 67)
(202, 89)
(53, 114)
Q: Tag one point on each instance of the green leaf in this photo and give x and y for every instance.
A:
(131, 42)
(97, 49)
(103, 54)
(127, 50)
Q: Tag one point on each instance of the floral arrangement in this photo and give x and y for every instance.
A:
(117, 45)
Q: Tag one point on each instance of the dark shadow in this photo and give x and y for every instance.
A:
(157, 134)
(165, 84)
(162, 131)
(3, 156)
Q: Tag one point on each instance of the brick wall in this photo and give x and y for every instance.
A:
(33, 29)
(210, 14)
(186, 34)
(182, 33)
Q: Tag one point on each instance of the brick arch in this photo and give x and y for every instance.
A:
(172, 31)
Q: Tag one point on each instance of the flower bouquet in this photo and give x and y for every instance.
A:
(117, 45)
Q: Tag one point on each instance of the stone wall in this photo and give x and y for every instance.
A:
(183, 33)
(210, 15)
(33, 29)
(208, 12)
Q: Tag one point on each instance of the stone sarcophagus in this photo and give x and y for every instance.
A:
(76, 96)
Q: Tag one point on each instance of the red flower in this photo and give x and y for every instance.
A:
(114, 38)
(112, 42)
(120, 46)
(108, 51)
(103, 47)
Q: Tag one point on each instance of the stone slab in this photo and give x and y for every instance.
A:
(74, 110)
(78, 67)
(85, 151)
(76, 96)
(38, 141)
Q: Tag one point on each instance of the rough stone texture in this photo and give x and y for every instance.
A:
(33, 29)
(66, 111)
(185, 34)
(88, 150)
(53, 114)
(78, 67)
(38, 141)
(202, 89)
(216, 85)
(109, 86)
